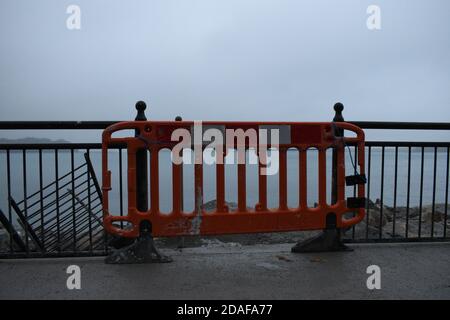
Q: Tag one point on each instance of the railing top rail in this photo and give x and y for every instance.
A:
(52, 146)
(58, 125)
(99, 125)
(69, 146)
(402, 125)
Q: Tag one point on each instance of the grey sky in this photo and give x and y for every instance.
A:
(225, 60)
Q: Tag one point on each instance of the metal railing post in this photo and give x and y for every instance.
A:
(330, 238)
(141, 164)
(143, 249)
(338, 132)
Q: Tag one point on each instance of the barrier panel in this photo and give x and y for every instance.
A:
(157, 135)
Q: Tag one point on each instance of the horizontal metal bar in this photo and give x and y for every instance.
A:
(392, 125)
(406, 144)
(51, 125)
(425, 144)
(99, 125)
(397, 240)
(98, 146)
(57, 146)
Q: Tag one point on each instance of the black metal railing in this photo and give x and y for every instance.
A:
(59, 211)
(50, 199)
(399, 207)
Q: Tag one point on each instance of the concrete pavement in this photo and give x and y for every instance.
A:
(230, 271)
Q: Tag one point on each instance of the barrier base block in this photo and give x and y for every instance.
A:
(142, 250)
(327, 241)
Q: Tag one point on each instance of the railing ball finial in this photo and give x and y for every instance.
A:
(140, 107)
(338, 108)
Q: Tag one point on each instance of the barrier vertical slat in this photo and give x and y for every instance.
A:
(242, 204)
(176, 188)
(322, 178)
(198, 185)
(220, 182)
(302, 165)
(154, 180)
(283, 179)
(341, 173)
(131, 172)
(180, 181)
(262, 181)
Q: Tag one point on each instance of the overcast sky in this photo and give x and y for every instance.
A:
(225, 60)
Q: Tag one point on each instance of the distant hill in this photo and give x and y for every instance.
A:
(31, 140)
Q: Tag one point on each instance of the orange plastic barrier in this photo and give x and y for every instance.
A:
(156, 135)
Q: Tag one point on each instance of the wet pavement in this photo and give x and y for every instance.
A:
(219, 270)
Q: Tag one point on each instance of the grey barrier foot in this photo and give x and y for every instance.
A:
(143, 250)
(327, 241)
